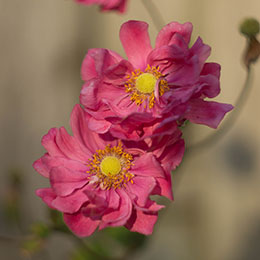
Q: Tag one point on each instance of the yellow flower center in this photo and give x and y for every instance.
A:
(109, 168)
(110, 165)
(141, 85)
(145, 83)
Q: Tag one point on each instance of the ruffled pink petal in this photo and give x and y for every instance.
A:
(166, 35)
(209, 80)
(79, 124)
(187, 74)
(71, 147)
(49, 143)
(147, 166)
(64, 181)
(207, 113)
(99, 126)
(201, 50)
(172, 155)
(79, 224)
(141, 189)
(71, 203)
(47, 195)
(113, 199)
(136, 42)
(96, 62)
(118, 217)
(142, 222)
(47, 162)
(164, 187)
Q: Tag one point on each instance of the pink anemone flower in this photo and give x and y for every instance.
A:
(98, 181)
(168, 83)
(106, 5)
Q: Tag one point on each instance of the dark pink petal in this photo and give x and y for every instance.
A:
(164, 187)
(47, 195)
(141, 189)
(65, 181)
(71, 147)
(136, 42)
(187, 74)
(146, 165)
(201, 50)
(172, 155)
(207, 113)
(72, 203)
(142, 222)
(49, 143)
(166, 35)
(79, 224)
(79, 124)
(118, 217)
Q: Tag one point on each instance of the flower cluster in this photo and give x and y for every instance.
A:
(126, 137)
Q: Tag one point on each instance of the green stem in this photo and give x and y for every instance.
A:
(154, 14)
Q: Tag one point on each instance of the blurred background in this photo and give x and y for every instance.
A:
(216, 213)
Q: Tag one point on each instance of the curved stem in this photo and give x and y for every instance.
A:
(154, 14)
(232, 118)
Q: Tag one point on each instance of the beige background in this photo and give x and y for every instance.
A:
(216, 213)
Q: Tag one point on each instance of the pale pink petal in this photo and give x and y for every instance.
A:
(79, 224)
(207, 113)
(64, 181)
(166, 35)
(49, 143)
(47, 195)
(136, 42)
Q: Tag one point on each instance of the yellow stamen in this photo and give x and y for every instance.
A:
(141, 85)
(109, 167)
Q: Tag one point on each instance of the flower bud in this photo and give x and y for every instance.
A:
(250, 27)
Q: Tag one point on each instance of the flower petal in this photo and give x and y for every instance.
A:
(166, 35)
(118, 217)
(72, 203)
(79, 224)
(136, 42)
(47, 195)
(79, 124)
(64, 181)
(207, 113)
(141, 189)
(146, 165)
(142, 222)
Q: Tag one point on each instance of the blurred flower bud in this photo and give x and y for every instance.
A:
(40, 230)
(250, 27)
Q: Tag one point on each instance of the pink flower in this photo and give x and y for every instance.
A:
(99, 181)
(106, 5)
(158, 85)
